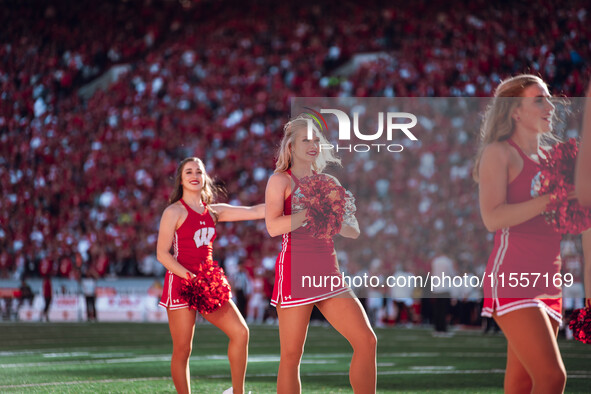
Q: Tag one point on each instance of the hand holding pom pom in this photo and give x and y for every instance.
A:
(557, 179)
(350, 208)
(580, 323)
(326, 202)
(208, 290)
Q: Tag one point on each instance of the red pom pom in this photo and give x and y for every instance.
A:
(208, 290)
(557, 179)
(325, 201)
(580, 323)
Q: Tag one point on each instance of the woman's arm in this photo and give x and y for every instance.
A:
(583, 171)
(276, 222)
(351, 229)
(232, 213)
(493, 180)
(166, 231)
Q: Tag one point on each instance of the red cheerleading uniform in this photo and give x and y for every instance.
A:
(192, 245)
(532, 247)
(303, 255)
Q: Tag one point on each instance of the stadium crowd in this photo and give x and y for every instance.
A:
(84, 181)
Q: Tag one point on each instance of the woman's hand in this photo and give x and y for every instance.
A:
(350, 230)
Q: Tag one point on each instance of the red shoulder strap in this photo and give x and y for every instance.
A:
(185, 205)
(514, 145)
(295, 179)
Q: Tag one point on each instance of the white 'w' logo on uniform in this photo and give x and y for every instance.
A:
(203, 236)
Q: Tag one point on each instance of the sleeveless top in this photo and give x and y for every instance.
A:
(302, 258)
(302, 236)
(521, 189)
(528, 252)
(193, 240)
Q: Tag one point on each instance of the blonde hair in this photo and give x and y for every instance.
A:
(284, 160)
(209, 191)
(498, 123)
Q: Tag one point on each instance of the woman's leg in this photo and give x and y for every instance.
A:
(517, 379)
(182, 327)
(230, 321)
(347, 316)
(293, 328)
(534, 363)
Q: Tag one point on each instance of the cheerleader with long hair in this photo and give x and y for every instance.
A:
(187, 228)
(516, 127)
(298, 158)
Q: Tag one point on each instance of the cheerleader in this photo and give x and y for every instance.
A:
(304, 255)
(506, 168)
(188, 228)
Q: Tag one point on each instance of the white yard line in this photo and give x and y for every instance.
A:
(17, 386)
(445, 370)
(116, 358)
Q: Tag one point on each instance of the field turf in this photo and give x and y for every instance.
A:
(134, 358)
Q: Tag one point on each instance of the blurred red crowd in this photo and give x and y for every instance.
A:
(84, 181)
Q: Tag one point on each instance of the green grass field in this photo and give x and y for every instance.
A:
(134, 358)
